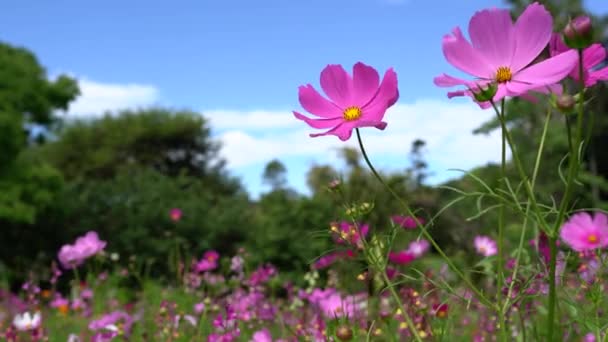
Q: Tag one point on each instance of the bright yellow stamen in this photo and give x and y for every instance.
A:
(503, 75)
(352, 113)
(592, 238)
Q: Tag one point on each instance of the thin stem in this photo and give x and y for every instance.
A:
(501, 227)
(572, 173)
(539, 154)
(520, 169)
(426, 234)
(408, 319)
(380, 266)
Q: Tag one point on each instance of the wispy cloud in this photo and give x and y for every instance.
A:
(255, 137)
(98, 97)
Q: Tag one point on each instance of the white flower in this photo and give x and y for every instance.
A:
(25, 321)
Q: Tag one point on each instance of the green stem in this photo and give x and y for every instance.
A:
(572, 172)
(426, 234)
(501, 225)
(539, 154)
(408, 319)
(520, 169)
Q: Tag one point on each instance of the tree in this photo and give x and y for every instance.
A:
(275, 174)
(170, 142)
(27, 99)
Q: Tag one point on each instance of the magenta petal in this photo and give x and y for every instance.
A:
(365, 83)
(337, 84)
(463, 56)
(491, 33)
(316, 104)
(533, 31)
(593, 55)
(319, 123)
(343, 131)
(449, 81)
(557, 45)
(599, 75)
(386, 96)
(549, 71)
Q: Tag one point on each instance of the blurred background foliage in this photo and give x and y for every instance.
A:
(120, 175)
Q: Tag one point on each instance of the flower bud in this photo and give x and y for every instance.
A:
(578, 34)
(565, 103)
(344, 333)
(484, 93)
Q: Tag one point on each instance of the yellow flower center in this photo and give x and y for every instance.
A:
(352, 113)
(592, 238)
(503, 75)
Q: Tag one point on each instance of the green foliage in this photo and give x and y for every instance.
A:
(27, 98)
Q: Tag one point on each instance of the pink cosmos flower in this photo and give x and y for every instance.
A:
(593, 56)
(175, 214)
(406, 222)
(346, 232)
(502, 52)
(262, 336)
(354, 101)
(418, 248)
(485, 245)
(401, 258)
(583, 233)
(208, 262)
(85, 247)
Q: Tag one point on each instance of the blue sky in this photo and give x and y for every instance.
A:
(240, 62)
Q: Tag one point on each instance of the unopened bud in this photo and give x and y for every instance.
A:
(578, 34)
(344, 333)
(484, 93)
(565, 103)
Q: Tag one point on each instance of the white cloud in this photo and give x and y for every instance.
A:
(252, 120)
(97, 97)
(445, 126)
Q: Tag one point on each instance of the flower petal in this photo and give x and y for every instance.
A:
(463, 56)
(533, 31)
(598, 75)
(593, 55)
(557, 45)
(386, 96)
(365, 83)
(343, 131)
(337, 84)
(549, 71)
(491, 33)
(319, 123)
(316, 104)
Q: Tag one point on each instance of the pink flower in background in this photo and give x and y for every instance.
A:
(582, 232)
(208, 262)
(85, 247)
(593, 56)
(110, 325)
(360, 100)
(418, 248)
(401, 258)
(502, 52)
(485, 245)
(346, 232)
(407, 222)
(262, 336)
(175, 214)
